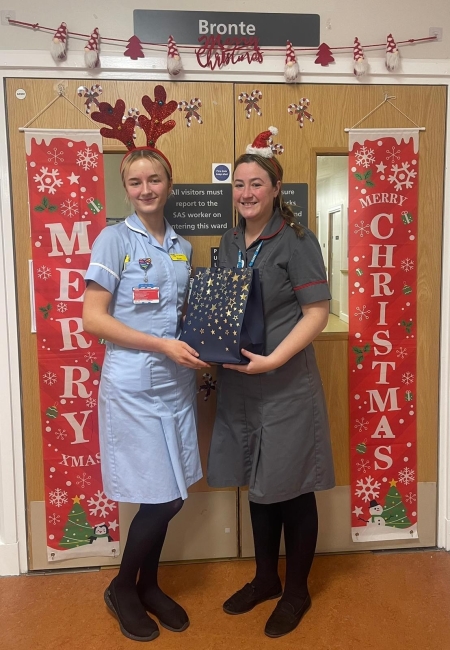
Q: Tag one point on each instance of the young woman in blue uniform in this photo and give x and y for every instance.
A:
(271, 430)
(137, 284)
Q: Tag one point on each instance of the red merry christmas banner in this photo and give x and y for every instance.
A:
(383, 175)
(66, 198)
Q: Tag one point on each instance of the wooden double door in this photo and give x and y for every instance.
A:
(215, 523)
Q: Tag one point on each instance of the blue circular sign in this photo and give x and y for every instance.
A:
(222, 173)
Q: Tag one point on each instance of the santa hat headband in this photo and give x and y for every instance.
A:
(261, 145)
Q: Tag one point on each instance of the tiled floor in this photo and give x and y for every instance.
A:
(385, 601)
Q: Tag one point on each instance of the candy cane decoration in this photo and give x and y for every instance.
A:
(252, 102)
(300, 110)
(277, 149)
(191, 110)
(134, 113)
(90, 95)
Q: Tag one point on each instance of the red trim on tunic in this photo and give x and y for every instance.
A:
(275, 233)
(309, 284)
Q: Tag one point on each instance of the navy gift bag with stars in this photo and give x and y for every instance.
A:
(225, 314)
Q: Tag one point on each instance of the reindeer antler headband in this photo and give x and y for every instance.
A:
(123, 130)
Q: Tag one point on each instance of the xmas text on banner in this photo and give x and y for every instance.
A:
(383, 201)
(67, 199)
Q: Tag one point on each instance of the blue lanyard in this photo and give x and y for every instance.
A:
(240, 263)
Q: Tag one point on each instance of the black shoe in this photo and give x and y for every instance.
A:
(142, 628)
(284, 618)
(171, 615)
(248, 597)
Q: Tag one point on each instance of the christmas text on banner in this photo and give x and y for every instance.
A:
(67, 199)
(383, 202)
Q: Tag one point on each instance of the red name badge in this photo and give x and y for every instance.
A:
(145, 294)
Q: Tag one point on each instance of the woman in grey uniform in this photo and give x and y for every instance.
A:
(271, 430)
(137, 284)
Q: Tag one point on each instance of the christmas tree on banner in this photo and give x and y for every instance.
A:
(394, 512)
(77, 530)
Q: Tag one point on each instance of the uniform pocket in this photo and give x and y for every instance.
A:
(129, 370)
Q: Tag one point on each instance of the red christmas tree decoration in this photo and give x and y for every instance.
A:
(324, 55)
(91, 51)
(134, 49)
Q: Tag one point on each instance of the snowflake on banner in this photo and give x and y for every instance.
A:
(406, 476)
(90, 356)
(407, 264)
(69, 208)
(363, 465)
(44, 272)
(401, 353)
(62, 307)
(49, 378)
(361, 312)
(393, 155)
(84, 480)
(365, 157)
(87, 159)
(60, 434)
(362, 228)
(368, 489)
(58, 497)
(410, 498)
(402, 176)
(54, 519)
(55, 156)
(407, 378)
(91, 402)
(48, 180)
(100, 505)
(361, 425)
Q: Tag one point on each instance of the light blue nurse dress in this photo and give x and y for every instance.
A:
(147, 417)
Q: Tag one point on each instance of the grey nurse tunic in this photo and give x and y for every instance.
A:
(271, 430)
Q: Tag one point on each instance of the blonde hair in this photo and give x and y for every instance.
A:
(275, 172)
(148, 154)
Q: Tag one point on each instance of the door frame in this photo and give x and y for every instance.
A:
(35, 63)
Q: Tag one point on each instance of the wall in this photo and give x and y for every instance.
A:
(427, 63)
(340, 21)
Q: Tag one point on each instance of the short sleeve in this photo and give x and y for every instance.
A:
(307, 270)
(107, 259)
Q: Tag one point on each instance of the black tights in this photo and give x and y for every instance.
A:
(141, 554)
(298, 517)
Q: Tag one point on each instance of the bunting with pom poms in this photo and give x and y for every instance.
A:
(174, 65)
(291, 69)
(58, 48)
(359, 60)
(392, 54)
(91, 51)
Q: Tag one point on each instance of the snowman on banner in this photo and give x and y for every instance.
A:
(376, 514)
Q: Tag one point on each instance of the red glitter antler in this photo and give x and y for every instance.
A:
(120, 130)
(158, 110)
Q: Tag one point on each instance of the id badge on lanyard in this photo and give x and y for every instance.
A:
(145, 293)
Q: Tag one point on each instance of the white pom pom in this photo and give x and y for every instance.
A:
(174, 65)
(291, 71)
(360, 67)
(58, 50)
(273, 130)
(392, 61)
(91, 58)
